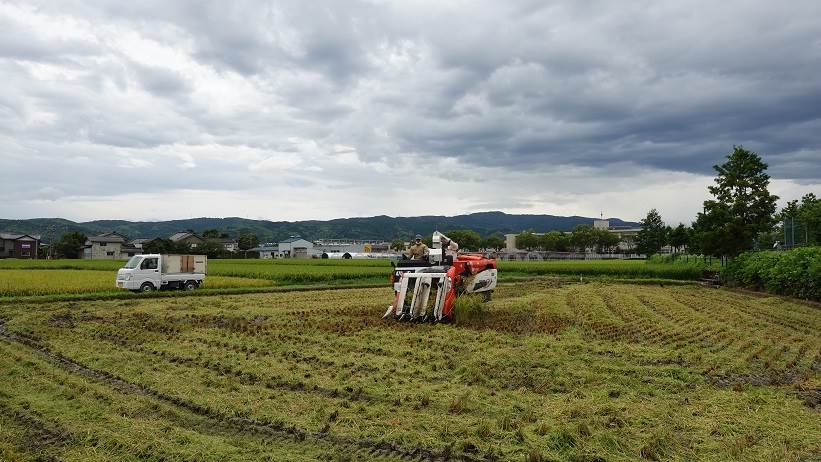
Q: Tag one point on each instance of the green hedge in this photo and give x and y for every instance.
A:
(796, 272)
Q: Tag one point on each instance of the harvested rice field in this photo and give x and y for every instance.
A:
(546, 371)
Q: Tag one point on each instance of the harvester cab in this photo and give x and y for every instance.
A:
(425, 289)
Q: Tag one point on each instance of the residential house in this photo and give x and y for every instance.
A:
(188, 237)
(14, 245)
(133, 247)
(108, 246)
(230, 245)
(138, 243)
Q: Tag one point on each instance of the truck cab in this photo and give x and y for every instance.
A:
(149, 272)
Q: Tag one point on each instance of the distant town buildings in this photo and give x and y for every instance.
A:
(115, 246)
(626, 235)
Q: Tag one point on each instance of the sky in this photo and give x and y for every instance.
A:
(294, 110)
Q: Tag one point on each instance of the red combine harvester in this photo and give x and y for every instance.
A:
(425, 289)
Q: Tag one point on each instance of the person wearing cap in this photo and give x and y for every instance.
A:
(418, 249)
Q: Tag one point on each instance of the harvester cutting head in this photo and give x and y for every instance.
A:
(425, 290)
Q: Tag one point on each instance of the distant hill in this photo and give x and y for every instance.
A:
(379, 227)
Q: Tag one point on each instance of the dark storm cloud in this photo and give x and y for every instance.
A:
(214, 93)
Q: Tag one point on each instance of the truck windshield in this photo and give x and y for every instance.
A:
(133, 262)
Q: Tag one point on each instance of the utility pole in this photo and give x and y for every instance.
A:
(50, 235)
(792, 230)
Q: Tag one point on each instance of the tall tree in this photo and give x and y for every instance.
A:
(248, 241)
(466, 238)
(742, 207)
(494, 242)
(527, 240)
(653, 234)
(605, 240)
(70, 245)
(554, 241)
(582, 238)
(678, 237)
(805, 218)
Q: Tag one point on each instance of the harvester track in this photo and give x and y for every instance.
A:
(373, 450)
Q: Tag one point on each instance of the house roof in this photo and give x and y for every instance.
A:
(265, 248)
(141, 240)
(222, 240)
(15, 236)
(184, 235)
(108, 237)
(293, 239)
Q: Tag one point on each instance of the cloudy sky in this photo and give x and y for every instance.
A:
(300, 110)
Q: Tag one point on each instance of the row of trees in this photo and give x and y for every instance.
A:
(466, 238)
(740, 216)
(582, 237)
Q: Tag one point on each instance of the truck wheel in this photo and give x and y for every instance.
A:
(147, 287)
(190, 285)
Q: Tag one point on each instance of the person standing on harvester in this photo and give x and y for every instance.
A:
(418, 249)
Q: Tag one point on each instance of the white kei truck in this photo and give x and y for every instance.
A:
(149, 272)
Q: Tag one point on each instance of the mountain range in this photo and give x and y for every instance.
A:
(378, 227)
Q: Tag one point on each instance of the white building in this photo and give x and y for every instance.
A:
(295, 247)
(266, 251)
(351, 246)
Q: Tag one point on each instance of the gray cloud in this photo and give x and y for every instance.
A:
(278, 98)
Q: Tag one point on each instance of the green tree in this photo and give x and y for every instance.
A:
(527, 240)
(211, 234)
(166, 246)
(605, 240)
(742, 207)
(70, 245)
(248, 241)
(582, 238)
(398, 245)
(494, 242)
(807, 216)
(554, 241)
(466, 238)
(211, 249)
(678, 237)
(653, 234)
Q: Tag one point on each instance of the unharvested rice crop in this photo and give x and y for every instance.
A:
(278, 272)
(596, 268)
(48, 282)
(546, 371)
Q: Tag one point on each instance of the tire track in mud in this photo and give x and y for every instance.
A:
(278, 430)
(47, 438)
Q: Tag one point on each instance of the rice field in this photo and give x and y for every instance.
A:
(602, 268)
(14, 283)
(546, 371)
(49, 277)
